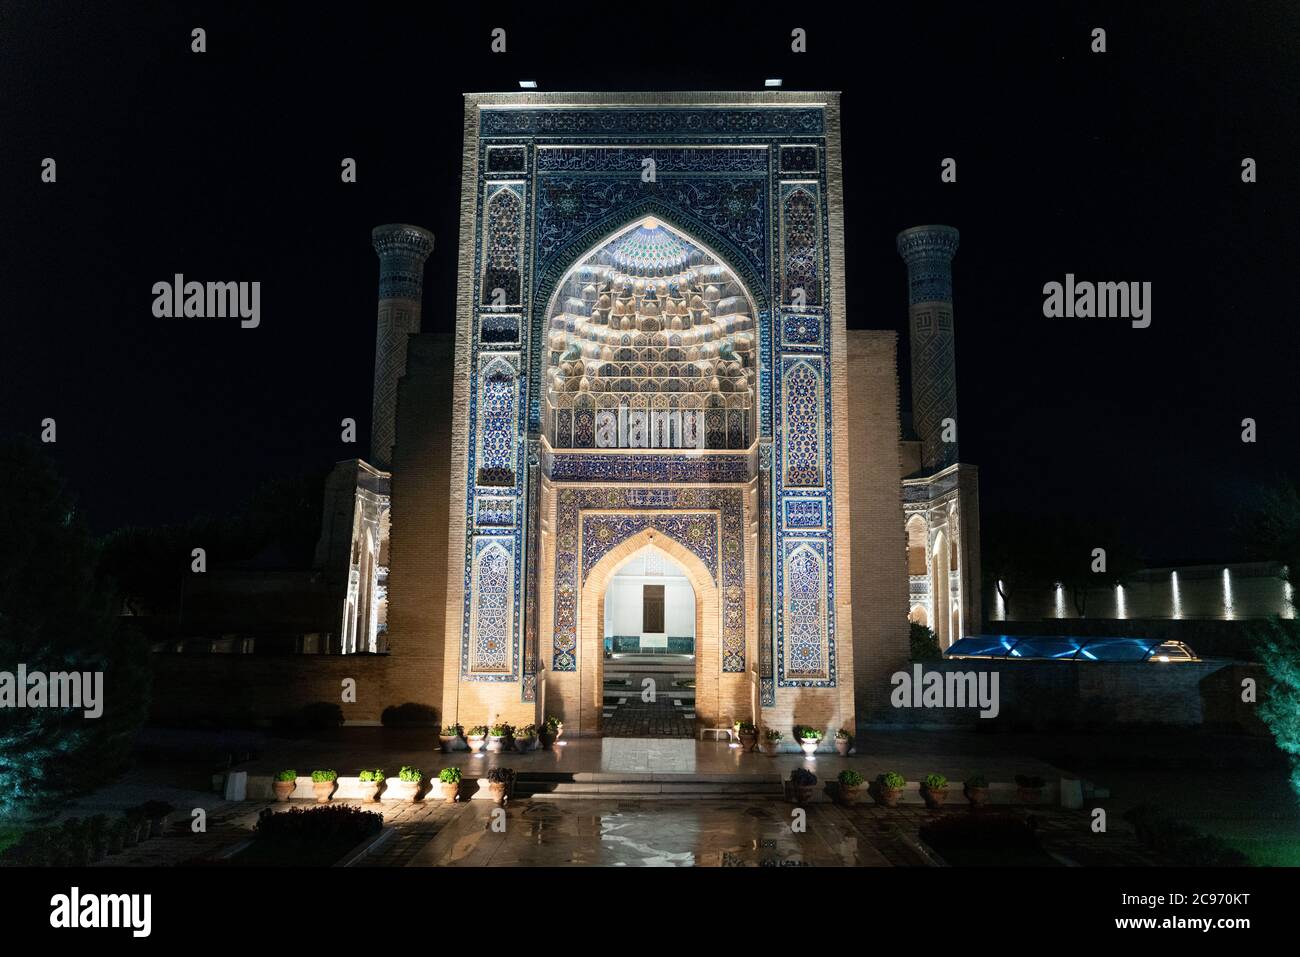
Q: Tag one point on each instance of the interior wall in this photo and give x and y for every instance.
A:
(623, 600)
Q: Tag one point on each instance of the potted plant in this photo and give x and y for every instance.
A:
(977, 790)
(842, 741)
(497, 735)
(322, 784)
(889, 788)
(935, 790)
(850, 783)
(802, 782)
(477, 735)
(501, 781)
(549, 732)
(406, 787)
(449, 784)
(157, 812)
(809, 738)
(284, 784)
(525, 737)
(748, 735)
(450, 736)
(772, 741)
(371, 782)
(1029, 788)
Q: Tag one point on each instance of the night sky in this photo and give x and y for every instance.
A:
(225, 166)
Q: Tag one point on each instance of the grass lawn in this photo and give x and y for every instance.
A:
(1269, 852)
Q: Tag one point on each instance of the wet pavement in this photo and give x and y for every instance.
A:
(617, 833)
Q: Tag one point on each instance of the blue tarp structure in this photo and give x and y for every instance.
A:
(1069, 648)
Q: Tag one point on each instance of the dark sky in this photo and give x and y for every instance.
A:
(1120, 166)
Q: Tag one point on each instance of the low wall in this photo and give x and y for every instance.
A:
(1208, 637)
(256, 690)
(1058, 695)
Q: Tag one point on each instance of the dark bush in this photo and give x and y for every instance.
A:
(318, 824)
(1181, 843)
(924, 644)
(981, 830)
(409, 715)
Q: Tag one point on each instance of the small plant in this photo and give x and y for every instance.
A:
(803, 778)
(452, 731)
(772, 735)
(1030, 781)
(842, 734)
(372, 777)
(409, 774)
(447, 775)
(478, 731)
(288, 775)
(746, 727)
(809, 734)
(850, 778)
(501, 776)
(553, 724)
(526, 732)
(324, 777)
(500, 730)
(892, 781)
(936, 782)
(977, 781)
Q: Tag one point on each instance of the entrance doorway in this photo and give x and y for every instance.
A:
(649, 654)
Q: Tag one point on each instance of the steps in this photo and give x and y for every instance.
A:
(597, 784)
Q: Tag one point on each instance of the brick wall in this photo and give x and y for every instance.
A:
(879, 544)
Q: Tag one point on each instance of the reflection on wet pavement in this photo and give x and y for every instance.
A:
(756, 833)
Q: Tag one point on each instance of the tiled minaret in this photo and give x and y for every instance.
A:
(928, 252)
(402, 250)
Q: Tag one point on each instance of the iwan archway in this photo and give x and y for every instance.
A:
(592, 622)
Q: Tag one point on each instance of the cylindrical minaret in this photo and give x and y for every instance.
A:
(928, 252)
(402, 251)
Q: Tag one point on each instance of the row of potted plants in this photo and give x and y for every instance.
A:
(501, 736)
(405, 787)
(809, 739)
(81, 841)
(889, 786)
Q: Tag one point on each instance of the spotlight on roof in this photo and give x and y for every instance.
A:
(772, 82)
(527, 84)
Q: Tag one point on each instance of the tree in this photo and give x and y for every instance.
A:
(57, 615)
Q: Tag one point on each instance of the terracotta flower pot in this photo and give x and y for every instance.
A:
(398, 790)
(499, 791)
(977, 797)
(284, 789)
(370, 791)
(809, 747)
(772, 747)
(849, 793)
(1029, 795)
(934, 799)
(524, 744)
(476, 742)
(449, 790)
(888, 797)
(448, 742)
(547, 739)
(842, 745)
(803, 793)
(322, 790)
(748, 741)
